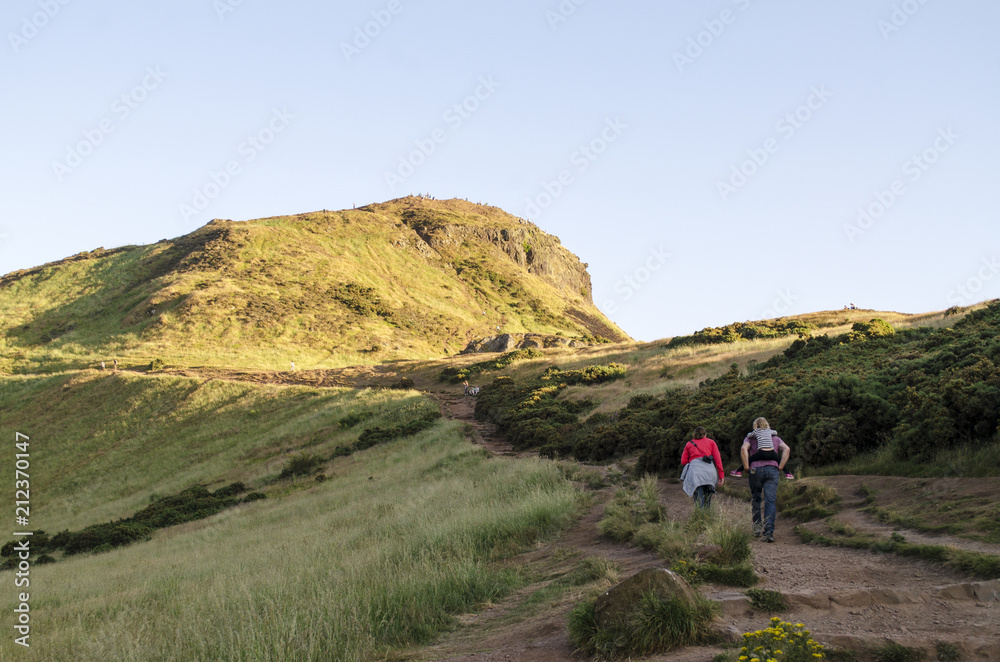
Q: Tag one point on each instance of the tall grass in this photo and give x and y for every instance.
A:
(382, 556)
(103, 444)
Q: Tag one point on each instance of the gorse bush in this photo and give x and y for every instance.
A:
(456, 375)
(743, 331)
(917, 392)
(377, 435)
(532, 415)
(300, 465)
(191, 504)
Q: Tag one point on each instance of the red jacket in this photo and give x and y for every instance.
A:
(699, 448)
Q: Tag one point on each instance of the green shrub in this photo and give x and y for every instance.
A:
(594, 569)
(898, 653)
(354, 418)
(456, 375)
(657, 625)
(376, 435)
(193, 503)
(739, 576)
(254, 496)
(807, 501)
(771, 602)
(156, 364)
(735, 544)
(947, 652)
(300, 464)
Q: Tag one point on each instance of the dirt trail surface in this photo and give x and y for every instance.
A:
(848, 598)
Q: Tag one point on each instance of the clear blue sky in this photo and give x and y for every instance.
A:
(621, 127)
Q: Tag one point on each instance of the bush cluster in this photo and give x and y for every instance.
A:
(457, 375)
(194, 503)
(533, 416)
(916, 392)
(743, 331)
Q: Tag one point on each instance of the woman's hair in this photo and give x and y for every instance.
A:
(700, 432)
(761, 424)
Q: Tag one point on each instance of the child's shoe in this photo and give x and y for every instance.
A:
(789, 475)
(736, 473)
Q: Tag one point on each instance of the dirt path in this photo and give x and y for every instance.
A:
(848, 598)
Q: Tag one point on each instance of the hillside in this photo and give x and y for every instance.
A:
(409, 278)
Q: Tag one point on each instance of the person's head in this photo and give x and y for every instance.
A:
(700, 432)
(761, 424)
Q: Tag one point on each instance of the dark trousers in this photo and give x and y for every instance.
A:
(764, 485)
(703, 496)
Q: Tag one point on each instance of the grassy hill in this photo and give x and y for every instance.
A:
(919, 396)
(410, 278)
(397, 539)
(375, 524)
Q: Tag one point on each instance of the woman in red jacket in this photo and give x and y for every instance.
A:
(703, 468)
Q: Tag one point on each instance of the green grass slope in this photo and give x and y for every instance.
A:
(410, 278)
(397, 540)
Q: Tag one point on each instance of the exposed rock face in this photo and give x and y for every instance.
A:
(526, 246)
(616, 606)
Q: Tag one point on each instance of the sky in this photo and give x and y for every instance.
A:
(711, 161)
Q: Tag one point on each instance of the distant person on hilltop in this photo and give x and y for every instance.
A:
(702, 468)
(764, 476)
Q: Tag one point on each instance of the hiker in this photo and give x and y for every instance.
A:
(116, 365)
(764, 476)
(765, 449)
(466, 385)
(702, 468)
(102, 365)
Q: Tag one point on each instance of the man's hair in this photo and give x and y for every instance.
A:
(761, 424)
(700, 432)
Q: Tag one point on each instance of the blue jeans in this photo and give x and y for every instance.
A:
(703, 496)
(764, 482)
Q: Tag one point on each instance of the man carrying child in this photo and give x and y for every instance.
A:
(764, 455)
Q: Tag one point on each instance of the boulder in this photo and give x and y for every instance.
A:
(615, 607)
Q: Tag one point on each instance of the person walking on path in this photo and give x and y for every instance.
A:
(764, 476)
(702, 468)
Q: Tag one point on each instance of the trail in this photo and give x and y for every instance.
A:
(848, 598)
